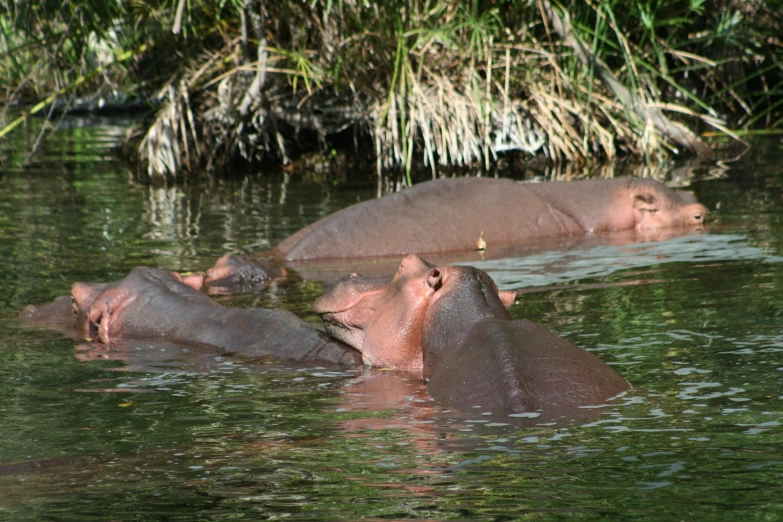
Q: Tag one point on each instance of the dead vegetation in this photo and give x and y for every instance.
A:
(439, 83)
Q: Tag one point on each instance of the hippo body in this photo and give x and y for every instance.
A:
(519, 366)
(456, 329)
(161, 306)
(449, 215)
(477, 356)
(448, 324)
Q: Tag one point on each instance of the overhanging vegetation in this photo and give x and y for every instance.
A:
(426, 82)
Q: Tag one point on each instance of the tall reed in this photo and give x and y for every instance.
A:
(428, 82)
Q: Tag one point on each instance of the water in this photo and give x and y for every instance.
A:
(161, 432)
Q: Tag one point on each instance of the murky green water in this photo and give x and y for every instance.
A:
(160, 433)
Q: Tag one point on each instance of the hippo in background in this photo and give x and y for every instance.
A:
(450, 216)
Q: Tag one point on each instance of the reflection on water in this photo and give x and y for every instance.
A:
(141, 431)
(553, 267)
(169, 215)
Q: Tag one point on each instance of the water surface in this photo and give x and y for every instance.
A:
(163, 432)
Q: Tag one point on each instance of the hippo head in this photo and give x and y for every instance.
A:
(656, 206)
(62, 314)
(100, 308)
(67, 313)
(465, 296)
(384, 318)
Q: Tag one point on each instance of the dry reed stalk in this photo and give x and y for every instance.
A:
(160, 146)
(420, 96)
(455, 124)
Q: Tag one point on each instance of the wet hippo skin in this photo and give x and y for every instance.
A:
(159, 305)
(477, 356)
(235, 275)
(452, 323)
(449, 324)
(448, 216)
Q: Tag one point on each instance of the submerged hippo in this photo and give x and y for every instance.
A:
(449, 215)
(452, 323)
(163, 306)
(453, 215)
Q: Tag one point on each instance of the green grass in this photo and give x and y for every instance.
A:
(428, 82)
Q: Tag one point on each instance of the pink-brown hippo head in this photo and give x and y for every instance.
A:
(656, 206)
(63, 314)
(452, 323)
(383, 317)
(465, 296)
(99, 308)
(88, 311)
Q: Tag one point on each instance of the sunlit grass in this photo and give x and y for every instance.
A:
(431, 83)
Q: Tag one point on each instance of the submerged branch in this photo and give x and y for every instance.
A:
(38, 107)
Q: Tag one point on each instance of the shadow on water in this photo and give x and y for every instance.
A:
(141, 431)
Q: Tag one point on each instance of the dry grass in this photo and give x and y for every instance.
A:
(438, 83)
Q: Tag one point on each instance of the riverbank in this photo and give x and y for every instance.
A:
(407, 85)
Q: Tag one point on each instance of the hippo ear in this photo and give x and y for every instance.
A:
(507, 297)
(645, 201)
(195, 281)
(435, 278)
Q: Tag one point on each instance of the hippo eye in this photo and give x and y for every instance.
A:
(350, 277)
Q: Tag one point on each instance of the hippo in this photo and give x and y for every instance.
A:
(450, 215)
(452, 324)
(235, 275)
(164, 306)
(447, 324)
(458, 215)
(383, 317)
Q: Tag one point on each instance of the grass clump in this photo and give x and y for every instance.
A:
(427, 82)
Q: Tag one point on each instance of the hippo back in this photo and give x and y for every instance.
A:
(519, 366)
(446, 215)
